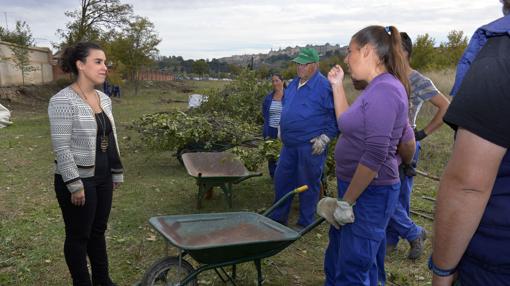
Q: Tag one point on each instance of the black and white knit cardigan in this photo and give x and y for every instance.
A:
(73, 130)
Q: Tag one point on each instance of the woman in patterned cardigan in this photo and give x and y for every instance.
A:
(87, 165)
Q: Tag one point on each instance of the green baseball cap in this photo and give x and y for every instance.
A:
(306, 56)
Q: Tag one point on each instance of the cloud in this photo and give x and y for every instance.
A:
(217, 28)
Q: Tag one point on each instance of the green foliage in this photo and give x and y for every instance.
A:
(231, 117)
(423, 52)
(135, 47)
(253, 158)
(427, 57)
(177, 130)
(452, 50)
(21, 35)
(200, 67)
(241, 99)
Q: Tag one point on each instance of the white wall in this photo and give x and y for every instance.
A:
(39, 59)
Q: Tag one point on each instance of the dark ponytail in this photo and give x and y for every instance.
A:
(388, 45)
(78, 52)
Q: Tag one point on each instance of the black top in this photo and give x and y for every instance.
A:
(104, 128)
(482, 104)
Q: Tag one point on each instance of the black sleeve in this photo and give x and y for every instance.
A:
(482, 104)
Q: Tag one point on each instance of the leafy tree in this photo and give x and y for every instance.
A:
(290, 71)
(22, 39)
(200, 67)
(234, 69)
(452, 50)
(263, 71)
(423, 52)
(136, 47)
(93, 18)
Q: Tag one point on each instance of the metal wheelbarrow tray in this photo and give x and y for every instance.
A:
(216, 169)
(220, 237)
(217, 240)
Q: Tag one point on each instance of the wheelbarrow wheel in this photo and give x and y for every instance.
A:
(167, 271)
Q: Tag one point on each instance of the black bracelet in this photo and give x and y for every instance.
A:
(440, 272)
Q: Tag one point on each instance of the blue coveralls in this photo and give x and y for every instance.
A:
(268, 131)
(487, 258)
(354, 247)
(400, 223)
(307, 113)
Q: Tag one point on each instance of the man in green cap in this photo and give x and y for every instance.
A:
(307, 125)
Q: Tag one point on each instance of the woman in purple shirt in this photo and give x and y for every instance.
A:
(366, 156)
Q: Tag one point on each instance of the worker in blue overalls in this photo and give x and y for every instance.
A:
(472, 219)
(307, 125)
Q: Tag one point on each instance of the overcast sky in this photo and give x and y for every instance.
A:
(217, 28)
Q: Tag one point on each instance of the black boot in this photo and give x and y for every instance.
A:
(417, 246)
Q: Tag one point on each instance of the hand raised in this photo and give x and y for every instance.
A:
(336, 75)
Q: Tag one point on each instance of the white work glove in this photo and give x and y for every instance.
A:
(319, 144)
(326, 208)
(343, 213)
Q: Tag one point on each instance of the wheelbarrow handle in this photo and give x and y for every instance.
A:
(284, 198)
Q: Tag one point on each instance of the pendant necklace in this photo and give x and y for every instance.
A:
(104, 138)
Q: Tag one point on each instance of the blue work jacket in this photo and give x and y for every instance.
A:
(497, 28)
(308, 111)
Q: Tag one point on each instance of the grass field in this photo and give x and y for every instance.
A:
(32, 230)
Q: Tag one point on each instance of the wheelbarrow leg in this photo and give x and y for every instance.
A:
(227, 190)
(202, 188)
(259, 272)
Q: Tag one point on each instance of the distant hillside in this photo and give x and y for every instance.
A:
(276, 58)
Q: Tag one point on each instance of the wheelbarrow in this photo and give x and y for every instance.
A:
(216, 169)
(218, 240)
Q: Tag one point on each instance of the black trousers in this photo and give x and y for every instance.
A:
(85, 227)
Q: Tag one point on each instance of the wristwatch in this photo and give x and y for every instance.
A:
(440, 272)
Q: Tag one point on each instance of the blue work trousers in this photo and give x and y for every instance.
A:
(355, 254)
(401, 224)
(296, 167)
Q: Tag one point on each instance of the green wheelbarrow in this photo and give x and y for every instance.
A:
(217, 241)
(216, 169)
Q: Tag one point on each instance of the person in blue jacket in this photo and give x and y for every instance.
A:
(307, 125)
(272, 111)
(472, 225)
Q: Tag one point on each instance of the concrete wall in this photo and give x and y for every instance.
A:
(40, 59)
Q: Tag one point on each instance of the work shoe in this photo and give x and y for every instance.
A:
(417, 246)
(391, 249)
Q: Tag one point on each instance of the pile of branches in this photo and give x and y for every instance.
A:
(230, 119)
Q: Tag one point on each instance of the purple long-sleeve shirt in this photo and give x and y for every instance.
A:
(371, 129)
